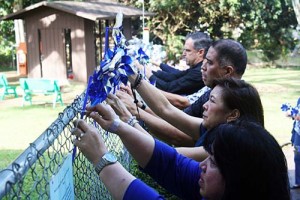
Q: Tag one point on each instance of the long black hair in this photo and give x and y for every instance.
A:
(250, 160)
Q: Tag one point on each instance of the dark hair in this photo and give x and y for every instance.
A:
(232, 53)
(201, 40)
(250, 160)
(240, 95)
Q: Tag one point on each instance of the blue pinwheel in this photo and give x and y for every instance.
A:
(113, 70)
(294, 111)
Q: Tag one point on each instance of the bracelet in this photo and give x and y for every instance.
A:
(114, 126)
(137, 81)
(143, 105)
(132, 121)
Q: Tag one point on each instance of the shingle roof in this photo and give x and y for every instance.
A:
(88, 10)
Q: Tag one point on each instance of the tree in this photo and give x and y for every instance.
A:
(268, 26)
(173, 20)
(6, 35)
(264, 24)
(7, 31)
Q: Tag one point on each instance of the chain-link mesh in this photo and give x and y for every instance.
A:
(28, 177)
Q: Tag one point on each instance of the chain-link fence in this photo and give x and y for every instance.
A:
(28, 177)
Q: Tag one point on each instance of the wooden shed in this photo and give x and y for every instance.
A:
(64, 39)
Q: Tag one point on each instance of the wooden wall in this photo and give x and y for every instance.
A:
(52, 24)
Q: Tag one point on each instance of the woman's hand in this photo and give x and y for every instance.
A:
(145, 69)
(89, 141)
(128, 101)
(126, 89)
(119, 107)
(105, 116)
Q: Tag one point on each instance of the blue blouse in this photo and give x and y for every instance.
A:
(176, 173)
(202, 135)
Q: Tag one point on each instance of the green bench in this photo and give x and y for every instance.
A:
(33, 86)
(6, 88)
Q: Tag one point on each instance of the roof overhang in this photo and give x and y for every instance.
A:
(88, 10)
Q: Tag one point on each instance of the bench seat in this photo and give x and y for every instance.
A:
(33, 86)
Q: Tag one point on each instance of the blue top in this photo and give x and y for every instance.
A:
(182, 82)
(196, 109)
(202, 135)
(176, 173)
(296, 131)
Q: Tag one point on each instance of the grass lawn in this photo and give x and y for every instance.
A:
(23, 125)
(276, 86)
(6, 156)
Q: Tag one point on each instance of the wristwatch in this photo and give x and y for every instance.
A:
(107, 159)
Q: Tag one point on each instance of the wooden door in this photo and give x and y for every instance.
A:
(52, 53)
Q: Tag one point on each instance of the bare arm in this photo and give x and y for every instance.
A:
(176, 100)
(157, 126)
(140, 145)
(122, 111)
(165, 131)
(126, 97)
(163, 108)
(197, 153)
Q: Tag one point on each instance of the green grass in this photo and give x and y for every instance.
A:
(6, 68)
(22, 125)
(256, 57)
(7, 156)
(276, 86)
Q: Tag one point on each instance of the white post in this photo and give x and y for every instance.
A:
(296, 6)
(19, 29)
(146, 33)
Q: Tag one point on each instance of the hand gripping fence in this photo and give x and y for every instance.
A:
(29, 175)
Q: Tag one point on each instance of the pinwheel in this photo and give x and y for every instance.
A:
(113, 70)
(293, 110)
